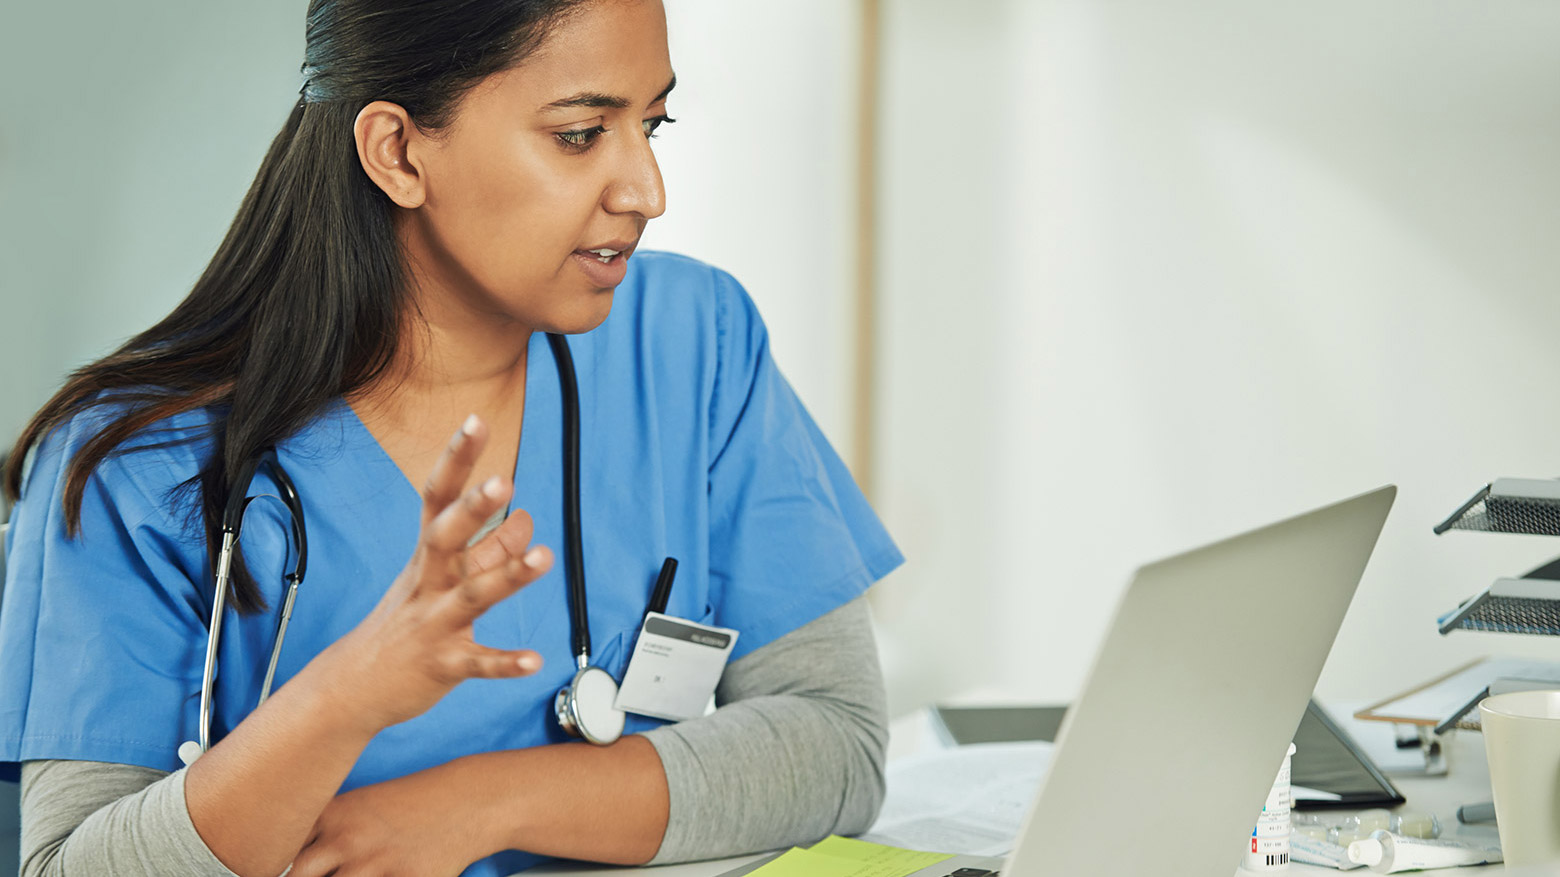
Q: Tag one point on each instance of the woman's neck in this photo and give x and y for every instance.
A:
(449, 366)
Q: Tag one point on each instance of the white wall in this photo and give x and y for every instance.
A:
(760, 172)
(128, 134)
(1155, 273)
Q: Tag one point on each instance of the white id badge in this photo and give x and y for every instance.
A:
(675, 667)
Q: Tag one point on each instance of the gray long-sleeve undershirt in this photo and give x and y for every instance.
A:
(795, 752)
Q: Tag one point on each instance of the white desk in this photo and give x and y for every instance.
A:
(1468, 781)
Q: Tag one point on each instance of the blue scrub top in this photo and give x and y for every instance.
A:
(692, 446)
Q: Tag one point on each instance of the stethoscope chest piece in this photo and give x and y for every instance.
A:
(585, 709)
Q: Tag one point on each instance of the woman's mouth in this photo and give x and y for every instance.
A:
(604, 267)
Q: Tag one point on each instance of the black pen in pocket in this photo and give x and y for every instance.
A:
(663, 588)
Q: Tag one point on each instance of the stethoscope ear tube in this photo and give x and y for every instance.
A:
(281, 634)
(214, 630)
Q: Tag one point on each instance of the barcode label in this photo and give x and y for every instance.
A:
(1275, 861)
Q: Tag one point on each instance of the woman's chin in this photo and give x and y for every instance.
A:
(583, 314)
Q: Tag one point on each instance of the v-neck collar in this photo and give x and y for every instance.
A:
(543, 412)
(339, 438)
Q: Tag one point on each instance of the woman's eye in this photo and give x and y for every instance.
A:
(580, 139)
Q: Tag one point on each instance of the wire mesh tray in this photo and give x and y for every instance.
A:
(1509, 606)
(1510, 505)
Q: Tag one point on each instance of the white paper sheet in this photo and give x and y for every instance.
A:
(966, 799)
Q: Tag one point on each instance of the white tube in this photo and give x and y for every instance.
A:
(1311, 850)
(1387, 853)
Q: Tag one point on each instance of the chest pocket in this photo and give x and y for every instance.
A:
(614, 656)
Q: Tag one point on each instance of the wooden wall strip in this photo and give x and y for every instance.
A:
(864, 395)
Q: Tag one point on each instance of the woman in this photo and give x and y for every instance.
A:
(456, 181)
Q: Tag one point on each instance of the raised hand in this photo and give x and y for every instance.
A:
(416, 645)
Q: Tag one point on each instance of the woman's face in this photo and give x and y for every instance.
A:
(538, 192)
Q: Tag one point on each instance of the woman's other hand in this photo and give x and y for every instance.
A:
(407, 826)
(416, 645)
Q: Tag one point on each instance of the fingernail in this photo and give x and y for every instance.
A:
(534, 557)
(529, 663)
(493, 488)
(471, 424)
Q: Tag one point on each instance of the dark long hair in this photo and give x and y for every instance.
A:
(305, 300)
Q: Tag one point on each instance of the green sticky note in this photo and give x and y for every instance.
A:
(876, 860)
(836, 856)
(798, 862)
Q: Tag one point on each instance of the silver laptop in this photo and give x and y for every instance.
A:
(1164, 762)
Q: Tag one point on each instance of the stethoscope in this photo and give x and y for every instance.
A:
(232, 522)
(584, 708)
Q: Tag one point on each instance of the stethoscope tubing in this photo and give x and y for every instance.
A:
(579, 614)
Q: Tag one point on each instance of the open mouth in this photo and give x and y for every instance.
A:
(605, 266)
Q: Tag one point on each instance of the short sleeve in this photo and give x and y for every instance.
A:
(101, 635)
(791, 535)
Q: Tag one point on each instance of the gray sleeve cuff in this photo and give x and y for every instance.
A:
(92, 817)
(794, 753)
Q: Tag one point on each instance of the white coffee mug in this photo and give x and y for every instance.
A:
(1522, 740)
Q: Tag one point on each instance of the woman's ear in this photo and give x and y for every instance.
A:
(387, 145)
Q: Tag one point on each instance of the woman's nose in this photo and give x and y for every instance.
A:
(636, 186)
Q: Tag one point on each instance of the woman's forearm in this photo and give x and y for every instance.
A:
(254, 797)
(572, 800)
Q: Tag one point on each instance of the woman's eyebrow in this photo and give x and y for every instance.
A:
(597, 99)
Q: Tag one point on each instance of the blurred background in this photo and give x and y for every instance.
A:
(1145, 274)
